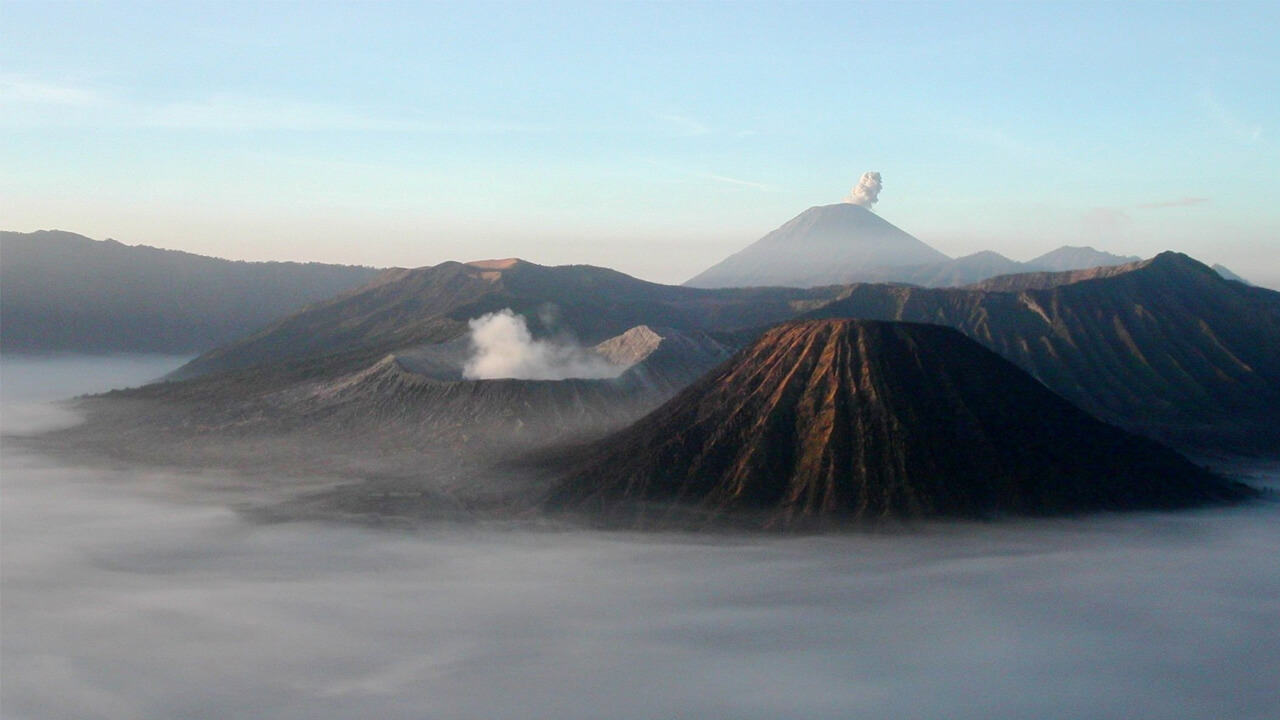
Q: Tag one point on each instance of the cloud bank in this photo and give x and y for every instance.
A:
(121, 604)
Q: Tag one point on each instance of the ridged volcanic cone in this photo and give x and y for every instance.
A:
(849, 418)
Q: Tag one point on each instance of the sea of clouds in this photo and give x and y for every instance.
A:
(125, 598)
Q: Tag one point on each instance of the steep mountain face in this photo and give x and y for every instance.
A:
(865, 419)
(825, 245)
(1165, 347)
(408, 308)
(64, 292)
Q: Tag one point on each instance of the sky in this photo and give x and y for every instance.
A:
(655, 138)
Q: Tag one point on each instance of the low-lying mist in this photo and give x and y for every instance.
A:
(121, 601)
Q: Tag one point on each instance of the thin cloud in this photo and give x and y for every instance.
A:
(1106, 220)
(1227, 122)
(1180, 202)
(736, 181)
(30, 102)
(683, 125)
(224, 111)
(725, 179)
(1113, 220)
(17, 90)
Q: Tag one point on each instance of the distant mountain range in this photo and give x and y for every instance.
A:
(1165, 347)
(63, 292)
(844, 243)
(860, 419)
(849, 413)
(407, 308)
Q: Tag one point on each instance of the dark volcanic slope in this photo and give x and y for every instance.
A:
(1165, 347)
(62, 292)
(866, 419)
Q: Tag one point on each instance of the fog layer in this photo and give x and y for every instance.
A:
(121, 602)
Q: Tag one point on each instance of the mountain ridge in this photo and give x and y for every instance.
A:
(1156, 347)
(433, 305)
(64, 292)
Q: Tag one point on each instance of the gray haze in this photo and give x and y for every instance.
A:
(126, 596)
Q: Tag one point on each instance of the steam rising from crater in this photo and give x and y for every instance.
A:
(867, 191)
(504, 348)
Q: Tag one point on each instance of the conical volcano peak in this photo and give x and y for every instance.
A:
(848, 418)
(836, 221)
(824, 245)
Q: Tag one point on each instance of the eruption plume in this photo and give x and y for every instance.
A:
(504, 348)
(867, 190)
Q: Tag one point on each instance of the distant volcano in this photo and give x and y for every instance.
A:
(847, 418)
(825, 245)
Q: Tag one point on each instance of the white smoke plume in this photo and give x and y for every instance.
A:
(503, 347)
(867, 191)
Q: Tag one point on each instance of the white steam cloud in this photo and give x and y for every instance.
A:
(504, 348)
(867, 191)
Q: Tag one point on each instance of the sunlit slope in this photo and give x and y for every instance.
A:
(842, 418)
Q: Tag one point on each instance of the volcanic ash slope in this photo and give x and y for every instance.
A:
(860, 419)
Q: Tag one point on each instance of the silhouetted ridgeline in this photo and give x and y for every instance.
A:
(62, 292)
(845, 418)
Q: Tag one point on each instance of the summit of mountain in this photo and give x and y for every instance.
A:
(847, 418)
(824, 245)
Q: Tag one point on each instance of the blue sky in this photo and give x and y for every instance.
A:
(651, 137)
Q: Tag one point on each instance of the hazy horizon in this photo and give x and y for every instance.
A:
(655, 139)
